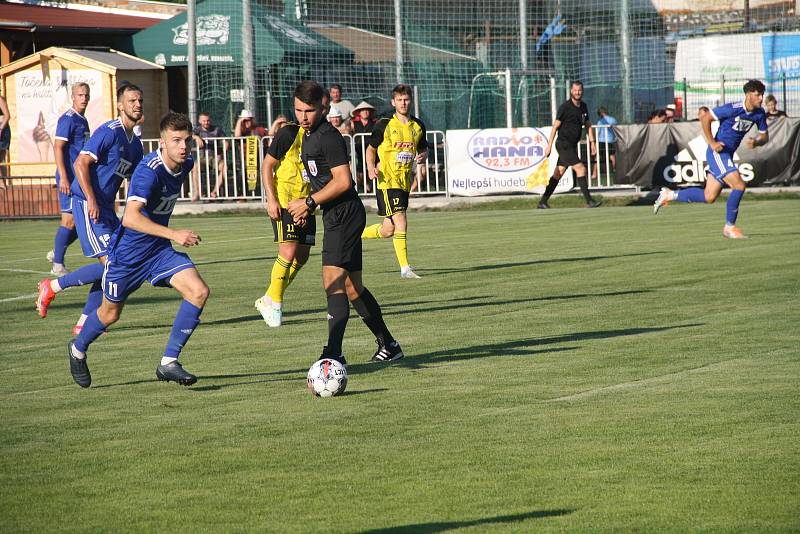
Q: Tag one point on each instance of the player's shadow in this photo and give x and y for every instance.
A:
(518, 347)
(235, 260)
(134, 300)
(444, 526)
(453, 270)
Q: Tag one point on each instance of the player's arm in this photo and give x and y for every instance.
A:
(763, 135)
(371, 154)
(553, 131)
(60, 149)
(341, 180)
(136, 220)
(198, 141)
(422, 146)
(82, 174)
(268, 183)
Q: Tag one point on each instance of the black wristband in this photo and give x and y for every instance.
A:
(312, 205)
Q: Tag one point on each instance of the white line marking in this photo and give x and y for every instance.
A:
(25, 271)
(21, 297)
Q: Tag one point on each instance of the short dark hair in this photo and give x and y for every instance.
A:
(126, 86)
(177, 122)
(703, 108)
(206, 113)
(309, 92)
(770, 98)
(403, 89)
(754, 86)
(576, 82)
(602, 110)
(336, 86)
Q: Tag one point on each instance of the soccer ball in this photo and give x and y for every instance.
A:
(327, 378)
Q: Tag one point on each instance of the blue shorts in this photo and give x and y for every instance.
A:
(64, 202)
(720, 164)
(120, 280)
(95, 236)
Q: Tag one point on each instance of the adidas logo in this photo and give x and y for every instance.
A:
(330, 316)
(187, 330)
(689, 164)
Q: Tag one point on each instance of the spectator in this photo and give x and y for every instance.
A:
(209, 156)
(5, 139)
(336, 118)
(345, 106)
(246, 125)
(772, 108)
(606, 141)
(701, 112)
(362, 122)
(279, 122)
(659, 116)
(670, 112)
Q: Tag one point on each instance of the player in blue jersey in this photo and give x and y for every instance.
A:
(735, 120)
(141, 250)
(72, 131)
(107, 158)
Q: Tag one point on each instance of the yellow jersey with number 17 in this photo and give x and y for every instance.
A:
(290, 177)
(397, 143)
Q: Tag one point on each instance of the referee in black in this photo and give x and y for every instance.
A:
(324, 156)
(572, 116)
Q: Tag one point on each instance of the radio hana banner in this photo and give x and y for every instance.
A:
(501, 161)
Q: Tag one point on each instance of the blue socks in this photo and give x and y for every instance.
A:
(186, 321)
(732, 209)
(85, 275)
(92, 329)
(692, 194)
(94, 298)
(64, 238)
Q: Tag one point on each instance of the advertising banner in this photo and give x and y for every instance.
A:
(501, 161)
(42, 96)
(654, 155)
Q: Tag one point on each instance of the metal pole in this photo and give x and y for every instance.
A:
(398, 40)
(722, 91)
(191, 78)
(625, 48)
(746, 15)
(567, 85)
(553, 99)
(416, 101)
(269, 108)
(523, 57)
(509, 120)
(685, 100)
(248, 73)
(783, 83)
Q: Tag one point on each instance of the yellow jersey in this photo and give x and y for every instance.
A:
(397, 144)
(290, 177)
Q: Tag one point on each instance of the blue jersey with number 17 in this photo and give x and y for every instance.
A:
(115, 155)
(158, 188)
(734, 123)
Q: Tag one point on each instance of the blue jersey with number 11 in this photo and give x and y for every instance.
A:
(158, 188)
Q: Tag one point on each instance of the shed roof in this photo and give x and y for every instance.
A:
(108, 61)
(57, 18)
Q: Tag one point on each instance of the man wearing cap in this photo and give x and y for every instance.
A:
(362, 122)
(670, 111)
(246, 125)
(336, 118)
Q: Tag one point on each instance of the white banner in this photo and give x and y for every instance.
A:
(501, 160)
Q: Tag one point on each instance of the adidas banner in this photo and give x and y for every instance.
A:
(654, 155)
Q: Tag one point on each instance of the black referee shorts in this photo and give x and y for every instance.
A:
(341, 242)
(567, 154)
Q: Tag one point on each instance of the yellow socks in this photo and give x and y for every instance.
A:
(372, 232)
(400, 248)
(279, 279)
(293, 271)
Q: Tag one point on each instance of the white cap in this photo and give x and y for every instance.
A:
(246, 114)
(671, 106)
(334, 112)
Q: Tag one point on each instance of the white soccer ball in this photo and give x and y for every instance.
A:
(327, 378)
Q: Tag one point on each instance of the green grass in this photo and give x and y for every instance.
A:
(579, 370)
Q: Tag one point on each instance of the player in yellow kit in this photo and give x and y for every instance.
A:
(396, 143)
(283, 179)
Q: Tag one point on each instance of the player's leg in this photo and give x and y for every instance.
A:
(738, 186)
(385, 228)
(104, 316)
(196, 180)
(551, 186)
(333, 280)
(65, 235)
(400, 242)
(94, 238)
(370, 311)
(579, 169)
(300, 259)
(195, 293)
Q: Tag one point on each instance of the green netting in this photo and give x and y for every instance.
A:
(447, 43)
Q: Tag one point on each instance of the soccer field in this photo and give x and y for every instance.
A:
(570, 369)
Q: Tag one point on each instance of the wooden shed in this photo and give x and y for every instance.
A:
(37, 88)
